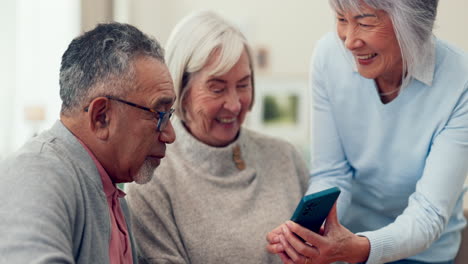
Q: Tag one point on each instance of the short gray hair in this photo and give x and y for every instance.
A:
(191, 44)
(413, 22)
(99, 62)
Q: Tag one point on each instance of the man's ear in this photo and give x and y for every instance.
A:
(99, 117)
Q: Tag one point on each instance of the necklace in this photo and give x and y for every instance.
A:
(389, 93)
(237, 157)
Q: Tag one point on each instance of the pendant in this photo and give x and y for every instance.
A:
(237, 157)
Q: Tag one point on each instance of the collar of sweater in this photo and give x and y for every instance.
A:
(217, 161)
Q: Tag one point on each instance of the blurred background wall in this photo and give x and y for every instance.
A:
(37, 32)
(34, 36)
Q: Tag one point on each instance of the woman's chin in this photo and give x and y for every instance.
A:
(226, 135)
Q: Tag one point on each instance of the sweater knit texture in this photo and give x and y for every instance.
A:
(201, 208)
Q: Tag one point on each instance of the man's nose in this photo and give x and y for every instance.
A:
(167, 135)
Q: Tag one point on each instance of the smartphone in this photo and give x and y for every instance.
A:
(314, 208)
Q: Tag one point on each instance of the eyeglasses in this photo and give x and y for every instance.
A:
(162, 117)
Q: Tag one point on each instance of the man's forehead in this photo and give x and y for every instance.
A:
(154, 82)
(162, 96)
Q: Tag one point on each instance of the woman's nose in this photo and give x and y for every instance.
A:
(352, 40)
(232, 102)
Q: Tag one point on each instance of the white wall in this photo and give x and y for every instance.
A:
(288, 30)
(37, 33)
(7, 76)
(452, 22)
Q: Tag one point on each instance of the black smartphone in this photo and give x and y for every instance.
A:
(314, 208)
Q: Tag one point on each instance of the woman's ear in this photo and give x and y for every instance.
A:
(99, 117)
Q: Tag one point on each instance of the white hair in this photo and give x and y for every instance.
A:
(413, 21)
(146, 171)
(192, 43)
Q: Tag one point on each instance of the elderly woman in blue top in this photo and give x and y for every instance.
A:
(390, 105)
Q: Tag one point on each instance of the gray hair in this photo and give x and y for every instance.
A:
(99, 62)
(191, 44)
(413, 22)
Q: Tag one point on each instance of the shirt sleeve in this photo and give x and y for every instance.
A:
(329, 166)
(431, 205)
(154, 226)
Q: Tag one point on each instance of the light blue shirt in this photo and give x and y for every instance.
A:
(400, 166)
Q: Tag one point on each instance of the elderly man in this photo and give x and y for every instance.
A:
(59, 201)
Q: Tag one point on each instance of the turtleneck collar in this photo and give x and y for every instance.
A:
(219, 161)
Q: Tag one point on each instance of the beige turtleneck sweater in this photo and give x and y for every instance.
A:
(202, 207)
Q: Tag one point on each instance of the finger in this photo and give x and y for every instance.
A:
(275, 248)
(289, 250)
(292, 259)
(272, 236)
(322, 230)
(306, 234)
(285, 258)
(332, 218)
(299, 246)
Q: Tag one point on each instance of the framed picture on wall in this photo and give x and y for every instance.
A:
(281, 109)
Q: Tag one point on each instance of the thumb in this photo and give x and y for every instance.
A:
(332, 219)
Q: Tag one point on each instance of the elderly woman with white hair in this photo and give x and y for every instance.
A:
(221, 187)
(390, 106)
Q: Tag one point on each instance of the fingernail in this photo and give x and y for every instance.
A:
(285, 230)
(275, 239)
(282, 240)
(279, 248)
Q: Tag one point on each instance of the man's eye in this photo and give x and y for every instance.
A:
(156, 115)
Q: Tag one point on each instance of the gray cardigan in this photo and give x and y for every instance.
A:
(53, 208)
(201, 208)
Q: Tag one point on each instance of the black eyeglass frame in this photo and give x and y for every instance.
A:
(162, 117)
